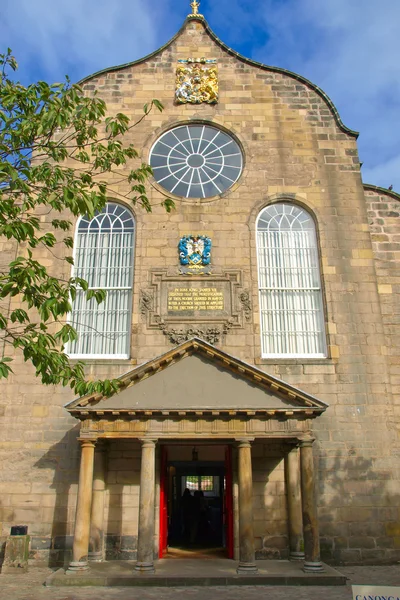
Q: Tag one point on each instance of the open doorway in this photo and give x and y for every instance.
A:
(196, 517)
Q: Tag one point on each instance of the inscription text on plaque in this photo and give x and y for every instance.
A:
(183, 308)
(195, 299)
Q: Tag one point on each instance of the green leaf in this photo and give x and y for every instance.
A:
(158, 105)
(75, 148)
(5, 369)
(168, 204)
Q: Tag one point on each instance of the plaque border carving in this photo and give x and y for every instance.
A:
(181, 328)
(245, 301)
(212, 335)
(145, 302)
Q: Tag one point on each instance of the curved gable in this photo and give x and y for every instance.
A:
(380, 191)
(266, 68)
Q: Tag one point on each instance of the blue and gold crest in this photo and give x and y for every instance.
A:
(195, 254)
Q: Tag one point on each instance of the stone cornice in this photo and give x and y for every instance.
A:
(91, 412)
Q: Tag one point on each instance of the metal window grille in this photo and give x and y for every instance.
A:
(292, 316)
(104, 248)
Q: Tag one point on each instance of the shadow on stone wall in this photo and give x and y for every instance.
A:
(122, 475)
(63, 457)
(2, 552)
(55, 548)
(2, 543)
(358, 512)
(269, 509)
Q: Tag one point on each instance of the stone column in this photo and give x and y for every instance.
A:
(293, 492)
(145, 549)
(96, 544)
(246, 535)
(312, 562)
(80, 546)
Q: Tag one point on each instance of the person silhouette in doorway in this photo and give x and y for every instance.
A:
(187, 515)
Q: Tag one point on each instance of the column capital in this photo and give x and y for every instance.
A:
(148, 442)
(306, 442)
(244, 442)
(87, 442)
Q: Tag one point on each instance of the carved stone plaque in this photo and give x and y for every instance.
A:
(184, 308)
(198, 300)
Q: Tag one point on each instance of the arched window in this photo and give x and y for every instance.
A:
(292, 315)
(104, 249)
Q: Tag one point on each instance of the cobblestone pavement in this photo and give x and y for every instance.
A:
(29, 586)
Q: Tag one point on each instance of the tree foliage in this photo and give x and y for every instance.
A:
(56, 149)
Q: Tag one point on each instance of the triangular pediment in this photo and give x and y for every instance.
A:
(198, 378)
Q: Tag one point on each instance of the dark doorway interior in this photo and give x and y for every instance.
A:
(196, 505)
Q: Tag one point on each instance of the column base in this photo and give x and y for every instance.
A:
(96, 556)
(244, 568)
(145, 567)
(76, 566)
(313, 567)
(296, 556)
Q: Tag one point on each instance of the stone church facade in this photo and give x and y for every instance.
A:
(257, 337)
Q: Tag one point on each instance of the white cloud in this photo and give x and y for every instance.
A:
(77, 36)
(349, 48)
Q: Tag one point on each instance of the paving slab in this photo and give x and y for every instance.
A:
(195, 573)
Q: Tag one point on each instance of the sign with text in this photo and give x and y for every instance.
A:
(375, 592)
(203, 299)
(195, 305)
(196, 299)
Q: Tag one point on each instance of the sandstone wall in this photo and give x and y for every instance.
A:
(295, 149)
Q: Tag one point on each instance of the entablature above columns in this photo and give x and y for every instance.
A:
(189, 427)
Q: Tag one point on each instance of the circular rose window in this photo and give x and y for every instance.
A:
(196, 161)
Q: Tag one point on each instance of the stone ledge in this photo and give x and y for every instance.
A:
(295, 361)
(189, 573)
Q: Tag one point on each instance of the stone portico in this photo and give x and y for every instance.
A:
(200, 396)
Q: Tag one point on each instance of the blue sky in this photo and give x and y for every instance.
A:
(349, 48)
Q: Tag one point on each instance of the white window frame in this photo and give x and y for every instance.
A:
(176, 147)
(125, 288)
(292, 336)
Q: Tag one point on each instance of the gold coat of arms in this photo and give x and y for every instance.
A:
(197, 81)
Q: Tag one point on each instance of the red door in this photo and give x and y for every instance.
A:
(163, 504)
(228, 502)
